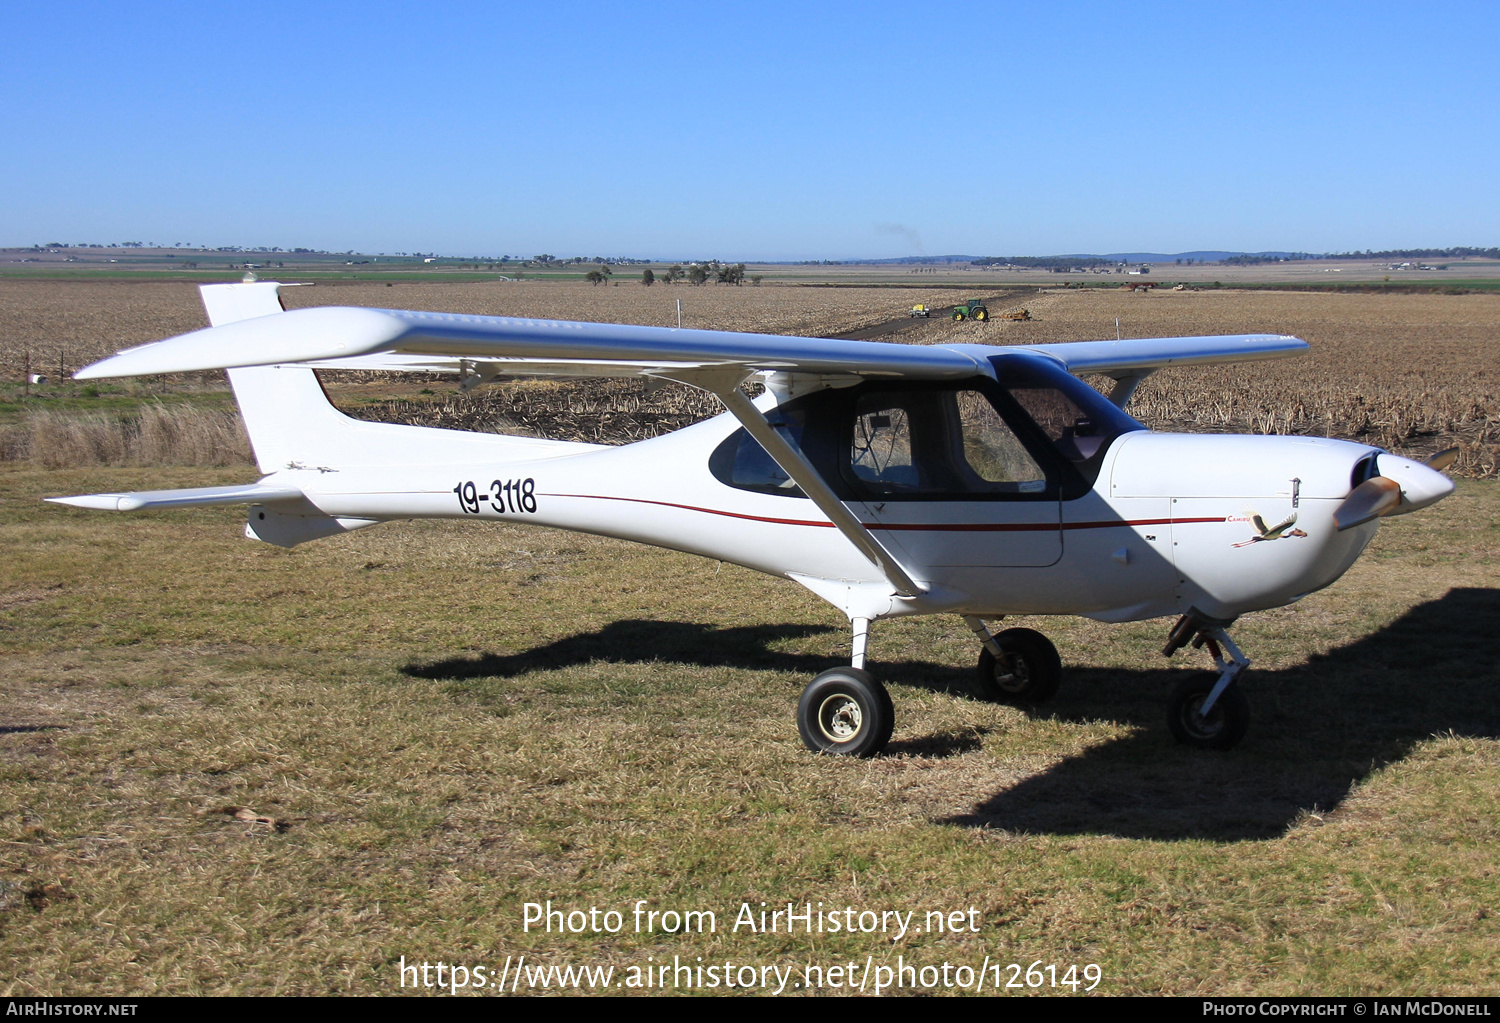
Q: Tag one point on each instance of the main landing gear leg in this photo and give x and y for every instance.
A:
(1209, 712)
(986, 638)
(844, 711)
(861, 643)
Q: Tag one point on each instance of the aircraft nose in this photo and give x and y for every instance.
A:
(1420, 485)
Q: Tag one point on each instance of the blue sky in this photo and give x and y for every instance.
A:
(752, 131)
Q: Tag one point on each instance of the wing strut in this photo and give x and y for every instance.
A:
(1125, 385)
(726, 383)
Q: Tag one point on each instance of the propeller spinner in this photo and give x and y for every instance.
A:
(1401, 486)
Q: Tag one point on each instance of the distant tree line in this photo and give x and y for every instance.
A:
(1244, 259)
(1454, 253)
(699, 274)
(1045, 262)
(1257, 258)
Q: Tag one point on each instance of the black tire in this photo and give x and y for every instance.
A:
(1029, 670)
(1226, 723)
(957, 316)
(845, 712)
(981, 314)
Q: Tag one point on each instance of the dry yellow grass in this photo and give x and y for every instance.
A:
(445, 720)
(155, 434)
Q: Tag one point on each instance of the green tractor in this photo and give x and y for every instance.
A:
(974, 309)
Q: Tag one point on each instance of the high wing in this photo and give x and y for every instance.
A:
(1133, 355)
(356, 338)
(328, 334)
(1130, 359)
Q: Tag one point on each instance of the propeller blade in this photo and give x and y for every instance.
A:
(1442, 459)
(1373, 498)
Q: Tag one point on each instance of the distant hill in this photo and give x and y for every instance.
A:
(1202, 256)
(1197, 256)
(1080, 258)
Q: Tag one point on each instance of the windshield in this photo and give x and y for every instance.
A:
(1078, 420)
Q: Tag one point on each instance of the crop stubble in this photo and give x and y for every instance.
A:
(1407, 372)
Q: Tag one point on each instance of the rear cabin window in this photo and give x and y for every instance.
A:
(742, 463)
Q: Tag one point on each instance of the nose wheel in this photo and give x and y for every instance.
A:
(1220, 727)
(1208, 712)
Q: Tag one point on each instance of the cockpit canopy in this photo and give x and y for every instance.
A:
(1038, 434)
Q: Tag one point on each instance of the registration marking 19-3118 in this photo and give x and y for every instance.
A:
(512, 497)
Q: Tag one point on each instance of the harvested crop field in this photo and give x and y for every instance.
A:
(88, 320)
(1412, 373)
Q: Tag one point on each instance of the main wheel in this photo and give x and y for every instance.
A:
(847, 712)
(981, 314)
(1028, 669)
(1221, 728)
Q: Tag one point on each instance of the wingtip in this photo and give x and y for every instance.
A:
(93, 502)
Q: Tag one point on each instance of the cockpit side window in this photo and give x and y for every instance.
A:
(881, 454)
(938, 442)
(1040, 434)
(991, 448)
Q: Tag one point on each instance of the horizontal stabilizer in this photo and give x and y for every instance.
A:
(252, 493)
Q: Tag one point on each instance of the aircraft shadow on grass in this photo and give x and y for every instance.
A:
(634, 642)
(1318, 729)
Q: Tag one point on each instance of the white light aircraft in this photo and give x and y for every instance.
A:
(888, 479)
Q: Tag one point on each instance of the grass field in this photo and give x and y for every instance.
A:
(440, 723)
(227, 767)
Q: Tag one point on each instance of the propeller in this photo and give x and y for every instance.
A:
(1373, 498)
(1442, 459)
(1400, 486)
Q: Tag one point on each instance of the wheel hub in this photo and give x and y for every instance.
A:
(840, 718)
(1199, 724)
(1011, 674)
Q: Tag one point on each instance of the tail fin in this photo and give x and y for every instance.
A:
(293, 425)
(284, 407)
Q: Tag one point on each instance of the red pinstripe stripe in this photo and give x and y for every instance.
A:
(943, 527)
